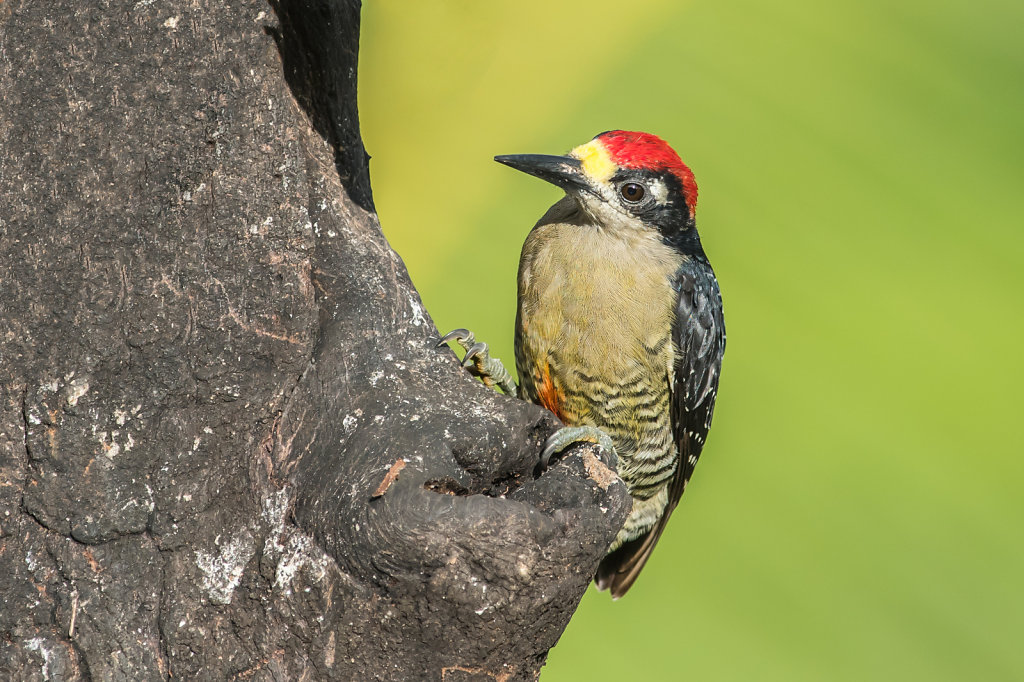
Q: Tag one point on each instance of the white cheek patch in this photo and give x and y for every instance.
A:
(659, 191)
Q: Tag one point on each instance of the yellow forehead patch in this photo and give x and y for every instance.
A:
(597, 163)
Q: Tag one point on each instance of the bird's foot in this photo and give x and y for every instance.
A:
(479, 362)
(568, 435)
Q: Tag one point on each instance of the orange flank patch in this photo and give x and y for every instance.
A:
(549, 396)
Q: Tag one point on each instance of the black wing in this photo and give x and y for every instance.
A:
(698, 334)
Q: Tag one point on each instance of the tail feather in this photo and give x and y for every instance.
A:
(619, 570)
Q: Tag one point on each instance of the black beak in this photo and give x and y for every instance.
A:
(564, 171)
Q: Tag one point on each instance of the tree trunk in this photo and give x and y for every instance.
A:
(214, 368)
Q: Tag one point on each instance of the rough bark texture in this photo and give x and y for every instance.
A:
(210, 359)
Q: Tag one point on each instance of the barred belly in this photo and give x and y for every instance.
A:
(635, 412)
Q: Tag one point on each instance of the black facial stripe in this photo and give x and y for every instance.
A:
(671, 218)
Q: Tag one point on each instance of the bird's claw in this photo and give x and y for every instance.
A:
(463, 336)
(477, 353)
(568, 435)
(479, 362)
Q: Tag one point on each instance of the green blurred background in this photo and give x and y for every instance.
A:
(857, 514)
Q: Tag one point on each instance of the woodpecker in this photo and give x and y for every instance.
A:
(619, 328)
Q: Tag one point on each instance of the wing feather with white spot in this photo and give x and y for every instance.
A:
(699, 337)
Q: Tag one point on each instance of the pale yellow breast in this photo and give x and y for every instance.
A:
(598, 298)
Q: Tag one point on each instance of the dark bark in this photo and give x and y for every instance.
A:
(211, 359)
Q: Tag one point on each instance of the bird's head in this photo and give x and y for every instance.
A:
(623, 180)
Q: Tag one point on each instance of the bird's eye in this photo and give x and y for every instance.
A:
(632, 192)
